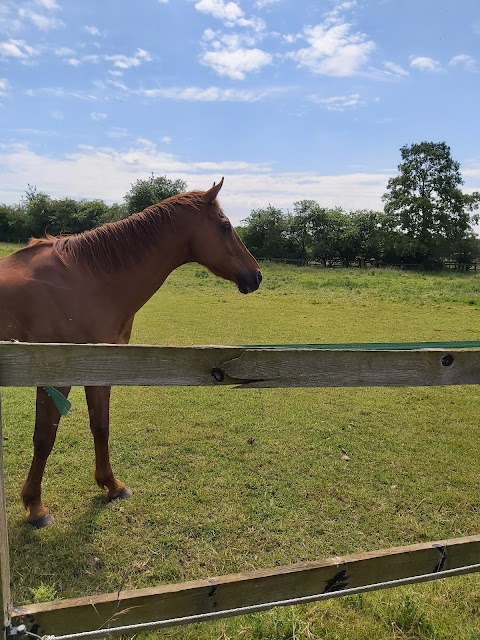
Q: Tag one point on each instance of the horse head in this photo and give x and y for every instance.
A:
(217, 246)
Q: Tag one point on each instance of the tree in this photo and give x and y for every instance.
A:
(144, 193)
(326, 232)
(371, 234)
(264, 232)
(427, 204)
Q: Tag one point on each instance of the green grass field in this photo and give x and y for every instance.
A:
(227, 480)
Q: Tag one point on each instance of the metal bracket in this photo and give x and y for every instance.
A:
(16, 632)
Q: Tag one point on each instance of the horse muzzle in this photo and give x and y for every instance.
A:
(250, 281)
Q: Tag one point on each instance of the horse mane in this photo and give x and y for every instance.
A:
(119, 245)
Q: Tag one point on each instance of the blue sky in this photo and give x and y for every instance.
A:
(288, 99)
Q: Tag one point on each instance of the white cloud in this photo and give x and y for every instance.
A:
(47, 4)
(92, 30)
(117, 132)
(395, 69)
(121, 61)
(60, 92)
(8, 24)
(467, 62)
(167, 139)
(3, 86)
(229, 12)
(260, 4)
(423, 63)
(17, 49)
(64, 51)
(235, 63)
(202, 94)
(233, 54)
(340, 103)
(44, 23)
(333, 50)
(108, 174)
(95, 115)
(231, 41)
(334, 16)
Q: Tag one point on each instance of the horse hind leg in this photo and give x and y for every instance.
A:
(46, 425)
(98, 401)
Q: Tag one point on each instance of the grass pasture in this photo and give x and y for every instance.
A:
(227, 480)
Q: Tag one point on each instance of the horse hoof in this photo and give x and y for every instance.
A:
(44, 521)
(123, 494)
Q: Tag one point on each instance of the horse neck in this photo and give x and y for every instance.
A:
(134, 286)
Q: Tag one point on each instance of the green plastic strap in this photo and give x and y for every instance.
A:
(372, 346)
(61, 402)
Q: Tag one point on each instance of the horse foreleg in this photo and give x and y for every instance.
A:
(46, 425)
(98, 401)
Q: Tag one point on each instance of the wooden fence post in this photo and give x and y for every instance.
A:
(5, 600)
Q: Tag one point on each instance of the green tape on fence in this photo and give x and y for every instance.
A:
(372, 346)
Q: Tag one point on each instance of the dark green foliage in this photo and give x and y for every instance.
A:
(323, 235)
(39, 214)
(147, 192)
(266, 233)
(427, 220)
(427, 205)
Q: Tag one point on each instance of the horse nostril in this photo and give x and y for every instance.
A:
(259, 277)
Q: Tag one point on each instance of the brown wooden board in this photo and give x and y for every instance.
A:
(217, 594)
(23, 364)
(4, 555)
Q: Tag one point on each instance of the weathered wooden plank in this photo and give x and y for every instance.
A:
(313, 368)
(329, 576)
(5, 599)
(23, 364)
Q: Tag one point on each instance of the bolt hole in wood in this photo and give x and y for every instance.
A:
(448, 360)
(218, 374)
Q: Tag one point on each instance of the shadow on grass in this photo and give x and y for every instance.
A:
(59, 556)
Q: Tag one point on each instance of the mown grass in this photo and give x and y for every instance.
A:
(228, 480)
(7, 248)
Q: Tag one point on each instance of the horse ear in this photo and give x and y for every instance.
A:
(212, 193)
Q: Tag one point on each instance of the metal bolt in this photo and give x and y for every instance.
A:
(448, 360)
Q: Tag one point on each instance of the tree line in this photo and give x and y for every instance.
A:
(427, 218)
(38, 214)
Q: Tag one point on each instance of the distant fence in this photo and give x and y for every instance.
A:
(371, 264)
(128, 612)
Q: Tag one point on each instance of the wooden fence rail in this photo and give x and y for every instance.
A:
(224, 593)
(23, 364)
(5, 597)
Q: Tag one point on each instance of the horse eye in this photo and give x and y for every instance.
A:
(226, 225)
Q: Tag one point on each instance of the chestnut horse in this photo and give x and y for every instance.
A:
(86, 288)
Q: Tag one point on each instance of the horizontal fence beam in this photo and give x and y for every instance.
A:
(24, 364)
(5, 598)
(326, 578)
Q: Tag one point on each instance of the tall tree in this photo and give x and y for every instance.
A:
(147, 192)
(426, 202)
